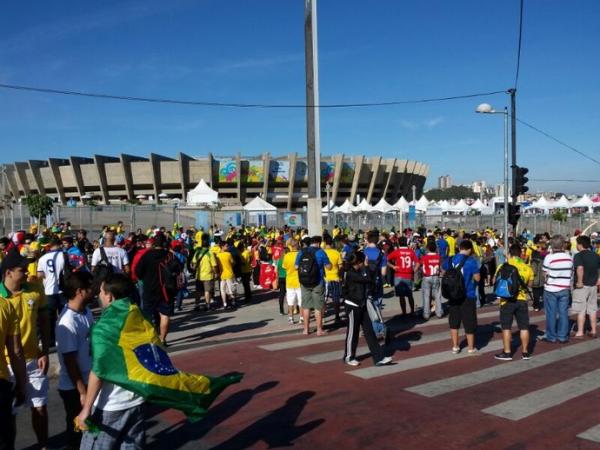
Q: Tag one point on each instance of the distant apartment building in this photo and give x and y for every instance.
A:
(444, 182)
(478, 186)
(499, 190)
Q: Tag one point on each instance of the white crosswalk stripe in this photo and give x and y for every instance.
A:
(591, 434)
(543, 399)
(463, 381)
(364, 350)
(314, 340)
(420, 362)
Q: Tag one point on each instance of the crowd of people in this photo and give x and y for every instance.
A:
(50, 277)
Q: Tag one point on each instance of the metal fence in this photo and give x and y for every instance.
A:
(92, 218)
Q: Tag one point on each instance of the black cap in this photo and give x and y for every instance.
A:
(13, 260)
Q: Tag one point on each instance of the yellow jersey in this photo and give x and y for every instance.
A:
(292, 280)
(27, 305)
(526, 274)
(335, 258)
(226, 263)
(206, 265)
(9, 326)
(451, 245)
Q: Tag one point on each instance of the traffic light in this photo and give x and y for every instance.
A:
(514, 212)
(520, 180)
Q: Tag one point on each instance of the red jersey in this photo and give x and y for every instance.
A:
(431, 264)
(405, 260)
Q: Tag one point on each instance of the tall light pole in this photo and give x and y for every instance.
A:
(486, 108)
(313, 154)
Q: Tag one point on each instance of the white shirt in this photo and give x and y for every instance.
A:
(115, 398)
(116, 256)
(73, 335)
(51, 265)
(559, 271)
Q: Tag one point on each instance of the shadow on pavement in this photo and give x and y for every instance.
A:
(223, 330)
(278, 428)
(183, 433)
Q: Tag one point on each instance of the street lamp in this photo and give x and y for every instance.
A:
(486, 108)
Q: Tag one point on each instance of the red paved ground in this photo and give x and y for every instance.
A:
(284, 401)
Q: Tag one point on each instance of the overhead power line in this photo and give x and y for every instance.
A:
(565, 180)
(549, 136)
(239, 105)
(519, 44)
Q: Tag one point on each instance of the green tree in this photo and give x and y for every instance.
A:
(453, 192)
(38, 205)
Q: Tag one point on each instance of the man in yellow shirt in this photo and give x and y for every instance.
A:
(30, 306)
(292, 282)
(10, 342)
(451, 243)
(514, 307)
(226, 286)
(332, 276)
(206, 268)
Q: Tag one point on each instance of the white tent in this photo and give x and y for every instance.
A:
(477, 205)
(257, 205)
(583, 202)
(325, 209)
(460, 207)
(422, 204)
(363, 206)
(560, 203)
(445, 205)
(202, 195)
(344, 208)
(384, 207)
(401, 204)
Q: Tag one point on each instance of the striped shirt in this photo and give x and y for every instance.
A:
(559, 271)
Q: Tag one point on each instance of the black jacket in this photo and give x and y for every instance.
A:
(357, 285)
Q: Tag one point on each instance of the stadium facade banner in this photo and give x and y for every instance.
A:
(228, 172)
(301, 171)
(279, 171)
(327, 172)
(347, 175)
(255, 173)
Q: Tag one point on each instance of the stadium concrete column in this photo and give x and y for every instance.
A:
(315, 224)
(292, 179)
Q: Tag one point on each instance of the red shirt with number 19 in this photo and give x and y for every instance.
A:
(405, 260)
(431, 264)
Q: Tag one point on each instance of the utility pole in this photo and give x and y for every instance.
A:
(313, 155)
(513, 137)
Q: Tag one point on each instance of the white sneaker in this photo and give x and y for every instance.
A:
(384, 361)
(351, 362)
(291, 320)
(473, 352)
(455, 350)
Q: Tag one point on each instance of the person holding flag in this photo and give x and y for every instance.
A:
(130, 366)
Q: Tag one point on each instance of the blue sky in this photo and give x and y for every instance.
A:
(253, 52)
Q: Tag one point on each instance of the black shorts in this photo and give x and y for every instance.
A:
(465, 313)
(152, 305)
(517, 309)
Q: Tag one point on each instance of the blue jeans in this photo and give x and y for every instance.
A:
(557, 304)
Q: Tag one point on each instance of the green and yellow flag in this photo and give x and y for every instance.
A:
(127, 352)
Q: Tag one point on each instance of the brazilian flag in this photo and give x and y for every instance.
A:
(127, 352)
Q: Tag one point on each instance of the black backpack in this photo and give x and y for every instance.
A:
(168, 272)
(374, 268)
(508, 282)
(103, 269)
(453, 284)
(308, 269)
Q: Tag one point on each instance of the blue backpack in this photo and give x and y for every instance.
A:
(508, 282)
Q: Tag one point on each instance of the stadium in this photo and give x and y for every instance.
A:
(281, 181)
